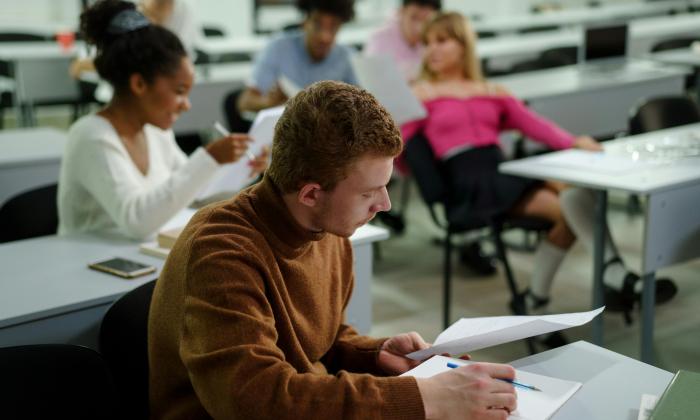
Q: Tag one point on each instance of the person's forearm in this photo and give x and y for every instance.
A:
(252, 101)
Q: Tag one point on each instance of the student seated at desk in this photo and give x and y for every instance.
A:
(400, 38)
(303, 57)
(122, 169)
(466, 115)
(247, 317)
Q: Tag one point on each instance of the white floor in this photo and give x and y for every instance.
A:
(407, 293)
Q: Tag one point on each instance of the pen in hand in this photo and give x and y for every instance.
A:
(511, 381)
(224, 132)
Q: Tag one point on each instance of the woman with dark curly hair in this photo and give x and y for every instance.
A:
(122, 170)
(305, 56)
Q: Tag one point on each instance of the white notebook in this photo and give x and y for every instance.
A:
(532, 405)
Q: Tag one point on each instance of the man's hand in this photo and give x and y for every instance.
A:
(471, 392)
(392, 355)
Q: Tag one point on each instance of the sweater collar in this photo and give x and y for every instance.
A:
(286, 233)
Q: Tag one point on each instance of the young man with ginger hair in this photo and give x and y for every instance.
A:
(247, 319)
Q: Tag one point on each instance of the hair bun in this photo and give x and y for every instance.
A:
(94, 21)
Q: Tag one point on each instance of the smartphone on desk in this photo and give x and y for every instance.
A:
(123, 268)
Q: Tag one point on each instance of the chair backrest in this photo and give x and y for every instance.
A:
(55, 381)
(663, 112)
(124, 345)
(426, 171)
(22, 37)
(29, 214)
(236, 123)
(560, 56)
(672, 44)
(213, 32)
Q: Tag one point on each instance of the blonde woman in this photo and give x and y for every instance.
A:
(466, 115)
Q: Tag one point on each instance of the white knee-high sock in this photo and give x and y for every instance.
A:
(548, 258)
(578, 206)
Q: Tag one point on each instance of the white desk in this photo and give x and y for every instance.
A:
(40, 70)
(671, 227)
(582, 16)
(644, 33)
(680, 56)
(595, 104)
(48, 295)
(29, 158)
(613, 384)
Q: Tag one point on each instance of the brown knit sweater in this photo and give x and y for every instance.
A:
(247, 322)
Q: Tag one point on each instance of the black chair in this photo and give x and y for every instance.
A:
(672, 44)
(29, 214)
(124, 345)
(213, 32)
(55, 381)
(234, 119)
(663, 112)
(554, 57)
(434, 190)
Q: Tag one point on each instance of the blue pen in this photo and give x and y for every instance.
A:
(515, 383)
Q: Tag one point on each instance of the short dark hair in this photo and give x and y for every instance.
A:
(435, 4)
(343, 9)
(149, 51)
(324, 130)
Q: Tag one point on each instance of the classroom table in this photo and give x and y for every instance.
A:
(613, 384)
(29, 158)
(594, 103)
(49, 295)
(671, 189)
(581, 16)
(40, 70)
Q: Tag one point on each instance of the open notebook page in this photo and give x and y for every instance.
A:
(532, 405)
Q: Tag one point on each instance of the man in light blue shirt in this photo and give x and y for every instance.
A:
(303, 57)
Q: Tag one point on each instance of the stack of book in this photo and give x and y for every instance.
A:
(164, 243)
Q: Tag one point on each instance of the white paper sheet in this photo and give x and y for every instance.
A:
(469, 334)
(532, 405)
(288, 87)
(234, 176)
(380, 76)
(593, 161)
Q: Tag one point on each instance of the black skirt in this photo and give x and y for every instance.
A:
(478, 191)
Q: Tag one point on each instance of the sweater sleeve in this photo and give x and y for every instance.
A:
(238, 371)
(354, 352)
(136, 210)
(520, 117)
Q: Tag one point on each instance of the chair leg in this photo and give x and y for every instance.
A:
(447, 281)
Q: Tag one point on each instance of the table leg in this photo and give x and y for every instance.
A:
(598, 263)
(648, 300)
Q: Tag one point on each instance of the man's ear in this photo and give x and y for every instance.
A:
(137, 84)
(309, 194)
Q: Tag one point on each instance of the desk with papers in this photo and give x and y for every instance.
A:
(663, 167)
